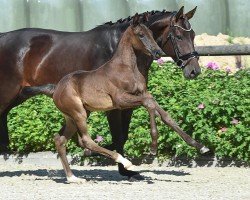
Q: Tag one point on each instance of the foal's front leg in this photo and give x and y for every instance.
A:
(126, 100)
(153, 106)
(86, 141)
(149, 104)
(165, 117)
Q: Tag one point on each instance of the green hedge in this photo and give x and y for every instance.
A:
(214, 109)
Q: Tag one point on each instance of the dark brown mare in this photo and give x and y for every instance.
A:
(120, 85)
(32, 57)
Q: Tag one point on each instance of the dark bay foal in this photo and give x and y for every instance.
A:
(118, 84)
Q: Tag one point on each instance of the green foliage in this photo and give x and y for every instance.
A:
(225, 97)
(230, 39)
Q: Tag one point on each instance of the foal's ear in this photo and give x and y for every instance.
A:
(145, 17)
(179, 14)
(190, 14)
(136, 20)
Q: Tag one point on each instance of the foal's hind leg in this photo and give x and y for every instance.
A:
(66, 133)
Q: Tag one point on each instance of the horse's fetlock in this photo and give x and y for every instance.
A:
(149, 104)
(154, 132)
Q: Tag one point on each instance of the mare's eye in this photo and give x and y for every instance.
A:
(178, 37)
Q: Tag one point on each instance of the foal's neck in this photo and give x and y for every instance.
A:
(125, 53)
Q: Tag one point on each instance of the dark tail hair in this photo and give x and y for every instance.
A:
(36, 90)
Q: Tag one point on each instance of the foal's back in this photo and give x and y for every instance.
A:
(98, 90)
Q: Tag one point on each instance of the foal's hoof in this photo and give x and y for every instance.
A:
(135, 178)
(73, 179)
(87, 152)
(204, 150)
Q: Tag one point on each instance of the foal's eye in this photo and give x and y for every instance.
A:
(141, 35)
(178, 37)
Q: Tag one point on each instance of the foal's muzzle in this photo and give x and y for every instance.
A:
(158, 53)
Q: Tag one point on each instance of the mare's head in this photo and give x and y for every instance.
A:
(175, 36)
(142, 38)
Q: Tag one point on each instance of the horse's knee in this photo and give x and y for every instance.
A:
(59, 140)
(86, 142)
(149, 104)
(81, 142)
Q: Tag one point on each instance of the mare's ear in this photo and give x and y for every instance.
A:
(179, 14)
(190, 14)
(136, 20)
(145, 17)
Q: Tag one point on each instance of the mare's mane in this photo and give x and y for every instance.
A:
(152, 14)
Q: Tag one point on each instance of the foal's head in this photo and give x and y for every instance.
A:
(142, 38)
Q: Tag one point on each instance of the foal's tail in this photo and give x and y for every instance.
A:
(48, 90)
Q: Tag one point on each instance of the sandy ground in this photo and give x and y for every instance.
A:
(25, 181)
(223, 61)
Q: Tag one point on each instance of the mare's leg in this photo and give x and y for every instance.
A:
(119, 125)
(8, 99)
(4, 135)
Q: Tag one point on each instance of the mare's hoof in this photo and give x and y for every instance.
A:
(4, 149)
(135, 178)
(73, 179)
(204, 150)
(153, 152)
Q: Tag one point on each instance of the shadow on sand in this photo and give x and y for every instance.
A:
(94, 175)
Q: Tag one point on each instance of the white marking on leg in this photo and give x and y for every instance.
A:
(204, 150)
(126, 163)
(74, 179)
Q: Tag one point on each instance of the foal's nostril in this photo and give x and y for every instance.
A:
(157, 53)
(193, 73)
